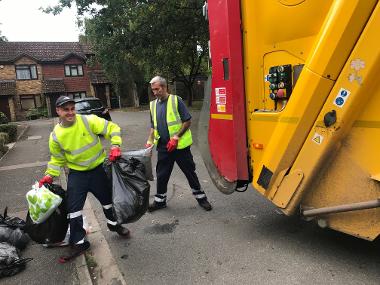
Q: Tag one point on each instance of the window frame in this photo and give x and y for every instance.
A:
(27, 97)
(77, 94)
(27, 67)
(69, 68)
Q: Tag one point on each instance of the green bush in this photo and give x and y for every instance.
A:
(3, 118)
(36, 113)
(11, 130)
(3, 147)
(4, 137)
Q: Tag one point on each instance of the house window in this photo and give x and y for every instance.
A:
(73, 70)
(28, 102)
(77, 95)
(26, 72)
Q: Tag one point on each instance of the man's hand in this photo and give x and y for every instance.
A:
(172, 144)
(115, 153)
(47, 179)
(148, 144)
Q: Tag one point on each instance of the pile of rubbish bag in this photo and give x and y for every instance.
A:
(13, 239)
(51, 228)
(47, 223)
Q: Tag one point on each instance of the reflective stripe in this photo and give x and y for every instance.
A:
(83, 149)
(200, 196)
(153, 113)
(105, 128)
(75, 215)
(55, 167)
(85, 122)
(54, 136)
(111, 223)
(115, 134)
(89, 161)
(158, 199)
(106, 207)
(172, 124)
(175, 111)
(60, 155)
(80, 242)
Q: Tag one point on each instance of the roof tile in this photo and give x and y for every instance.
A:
(42, 51)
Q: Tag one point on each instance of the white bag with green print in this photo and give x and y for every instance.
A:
(42, 203)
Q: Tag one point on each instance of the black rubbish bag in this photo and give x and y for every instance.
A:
(11, 231)
(145, 157)
(10, 262)
(54, 229)
(130, 190)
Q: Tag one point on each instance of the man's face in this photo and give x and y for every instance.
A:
(66, 113)
(158, 90)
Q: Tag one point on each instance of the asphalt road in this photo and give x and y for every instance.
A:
(241, 241)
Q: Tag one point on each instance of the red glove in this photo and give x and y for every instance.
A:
(172, 144)
(45, 180)
(115, 153)
(148, 145)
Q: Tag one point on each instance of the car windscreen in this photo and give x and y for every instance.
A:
(88, 105)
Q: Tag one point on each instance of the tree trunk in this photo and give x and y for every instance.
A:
(190, 94)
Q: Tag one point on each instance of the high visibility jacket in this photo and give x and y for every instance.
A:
(78, 146)
(173, 121)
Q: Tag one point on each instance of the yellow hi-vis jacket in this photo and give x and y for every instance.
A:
(79, 145)
(173, 121)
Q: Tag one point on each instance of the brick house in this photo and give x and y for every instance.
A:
(35, 74)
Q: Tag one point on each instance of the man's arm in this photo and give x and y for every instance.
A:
(108, 129)
(57, 158)
(185, 126)
(150, 139)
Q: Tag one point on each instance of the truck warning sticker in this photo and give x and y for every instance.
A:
(317, 138)
(342, 97)
(221, 108)
(356, 66)
(221, 99)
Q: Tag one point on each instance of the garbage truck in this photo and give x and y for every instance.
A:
(292, 107)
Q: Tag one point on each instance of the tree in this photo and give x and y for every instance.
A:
(138, 38)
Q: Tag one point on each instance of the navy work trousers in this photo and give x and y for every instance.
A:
(78, 185)
(165, 164)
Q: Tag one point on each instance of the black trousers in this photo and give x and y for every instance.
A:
(165, 164)
(78, 185)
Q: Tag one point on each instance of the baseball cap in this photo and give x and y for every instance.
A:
(63, 100)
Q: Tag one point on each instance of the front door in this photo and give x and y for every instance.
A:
(100, 92)
(53, 98)
(4, 107)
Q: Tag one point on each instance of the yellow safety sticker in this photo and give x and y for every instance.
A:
(221, 108)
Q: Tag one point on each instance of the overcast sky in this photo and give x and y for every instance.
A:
(21, 20)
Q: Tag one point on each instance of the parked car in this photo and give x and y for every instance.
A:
(92, 105)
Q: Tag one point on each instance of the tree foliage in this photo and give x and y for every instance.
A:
(137, 39)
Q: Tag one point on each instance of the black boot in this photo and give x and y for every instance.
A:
(121, 231)
(156, 206)
(75, 251)
(205, 204)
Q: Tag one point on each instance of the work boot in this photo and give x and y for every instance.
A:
(205, 204)
(156, 206)
(75, 251)
(121, 231)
